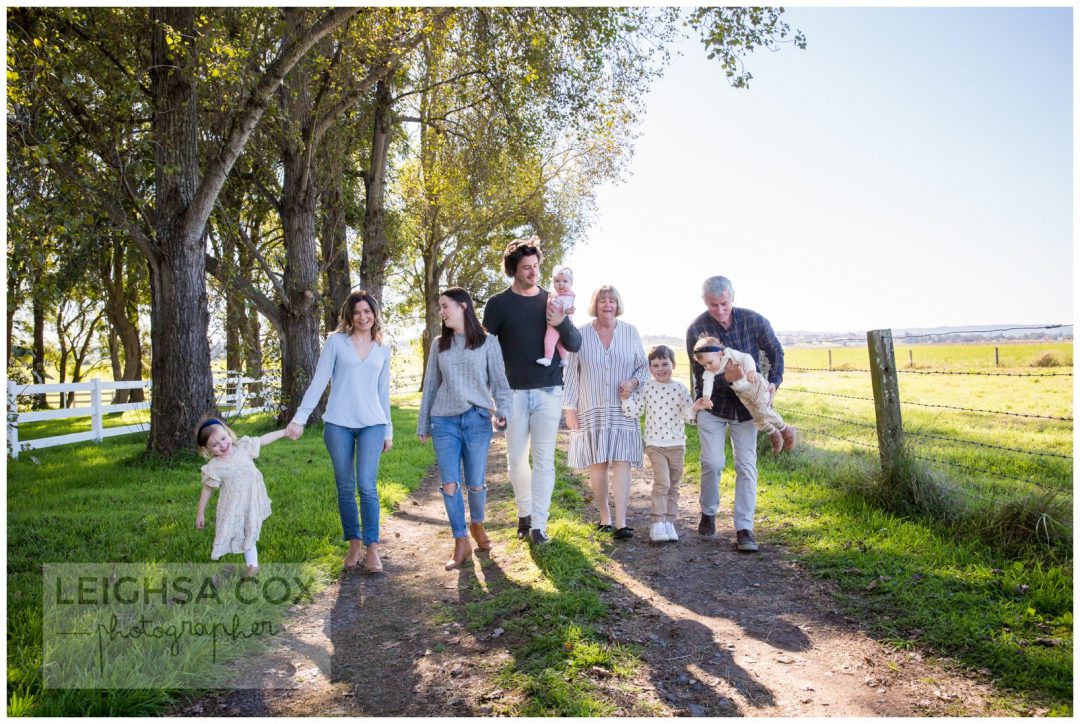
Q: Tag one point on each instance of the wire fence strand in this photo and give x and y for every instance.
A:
(926, 404)
(934, 372)
(988, 445)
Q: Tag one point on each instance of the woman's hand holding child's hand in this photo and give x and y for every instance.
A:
(703, 403)
(627, 387)
(294, 431)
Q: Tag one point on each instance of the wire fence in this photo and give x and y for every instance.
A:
(980, 469)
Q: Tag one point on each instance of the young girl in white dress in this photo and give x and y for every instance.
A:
(243, 504)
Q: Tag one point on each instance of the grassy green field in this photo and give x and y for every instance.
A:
(937, 586)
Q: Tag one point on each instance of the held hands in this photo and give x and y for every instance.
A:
(571, 418)
(294, 430)
(627, 387)
(702, 403)
(498, 423)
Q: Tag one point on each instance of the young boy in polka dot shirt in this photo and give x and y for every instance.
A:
(667, 406)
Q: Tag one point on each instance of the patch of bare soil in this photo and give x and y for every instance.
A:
(722, 633)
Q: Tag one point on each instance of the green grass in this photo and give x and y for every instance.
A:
(97, 503)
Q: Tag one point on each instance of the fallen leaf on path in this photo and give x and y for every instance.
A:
(390, 644)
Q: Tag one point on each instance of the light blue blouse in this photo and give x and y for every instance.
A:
(359, 390)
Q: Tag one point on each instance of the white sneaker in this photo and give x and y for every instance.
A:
(670, 528)
(563, 362)
(658, 533)
(546, 361)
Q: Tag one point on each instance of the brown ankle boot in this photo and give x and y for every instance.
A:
(788, 433)
(777, 440)
(462, 553)
(479, 535)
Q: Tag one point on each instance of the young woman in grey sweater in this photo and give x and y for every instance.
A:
(465, 391)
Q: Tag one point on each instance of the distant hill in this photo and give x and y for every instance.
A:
(905, 335)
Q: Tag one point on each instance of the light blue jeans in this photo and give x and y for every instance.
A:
(355, 454)
(532, 428)
(744, 436)
(461, 448)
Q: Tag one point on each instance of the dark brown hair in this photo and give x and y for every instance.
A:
(346, 312)
(474, 331)
(662, 351)
(518, 248)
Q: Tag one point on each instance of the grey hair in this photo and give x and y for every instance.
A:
(715, 286)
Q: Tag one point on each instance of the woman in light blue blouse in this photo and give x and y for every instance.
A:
(357, 427)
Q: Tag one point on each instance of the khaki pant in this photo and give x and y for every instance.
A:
(667, 466)
(755, 397)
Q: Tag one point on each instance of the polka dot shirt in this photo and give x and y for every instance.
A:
(666, 407)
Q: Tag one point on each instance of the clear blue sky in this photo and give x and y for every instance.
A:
(912, 167)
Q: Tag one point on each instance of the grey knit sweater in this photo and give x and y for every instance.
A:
(460, 378)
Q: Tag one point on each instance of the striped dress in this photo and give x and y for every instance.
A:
(593, 374)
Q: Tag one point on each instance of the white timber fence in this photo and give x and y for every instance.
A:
(235, 396)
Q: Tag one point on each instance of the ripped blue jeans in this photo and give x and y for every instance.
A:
(461, 448)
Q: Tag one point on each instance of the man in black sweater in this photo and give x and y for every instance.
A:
(519, 316)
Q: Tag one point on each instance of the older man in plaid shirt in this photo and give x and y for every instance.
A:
(749, 332)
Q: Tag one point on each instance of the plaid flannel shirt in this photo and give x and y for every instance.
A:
(751, 333)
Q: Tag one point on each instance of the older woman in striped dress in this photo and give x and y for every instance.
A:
(609, 366)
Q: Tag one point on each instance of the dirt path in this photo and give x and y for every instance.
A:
(723, 633)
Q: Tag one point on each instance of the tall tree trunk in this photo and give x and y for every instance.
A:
(179, 319)
(80, 351)
(121, 311)
(251, 346)
(61, 335)
(130, 333)
(37, 365)
(300, 345)
(335, 249)
(114, 358)
(375, 254)
(234, 310)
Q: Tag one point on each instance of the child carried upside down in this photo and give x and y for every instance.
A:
(752, 389)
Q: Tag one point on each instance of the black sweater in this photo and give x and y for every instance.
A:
(520, 323)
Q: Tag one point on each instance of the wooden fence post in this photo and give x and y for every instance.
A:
(886, 397)
(13, 420)
(997, 361)
(830, 359)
